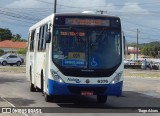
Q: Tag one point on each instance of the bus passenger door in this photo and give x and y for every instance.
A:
(35, 65)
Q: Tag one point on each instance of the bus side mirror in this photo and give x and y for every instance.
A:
(48, 37)
(124, 43)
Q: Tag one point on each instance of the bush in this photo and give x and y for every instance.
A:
(133, 66)
(22, 51)
(1, 52)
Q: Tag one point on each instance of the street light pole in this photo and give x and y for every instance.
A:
(137, 44)
(55, 5)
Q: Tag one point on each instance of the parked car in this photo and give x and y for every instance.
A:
(126, 62)
(132, 62)
(155, 65)
(11, 59)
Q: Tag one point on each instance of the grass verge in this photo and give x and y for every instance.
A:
(13, 69)
(142, 73)
(127, 72)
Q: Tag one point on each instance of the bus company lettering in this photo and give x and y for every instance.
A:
(73, 79)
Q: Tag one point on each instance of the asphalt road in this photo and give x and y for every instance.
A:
(138, 92)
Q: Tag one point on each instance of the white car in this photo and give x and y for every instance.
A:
(155, 65)
(126, 62)
(129, 62)
(10, 59)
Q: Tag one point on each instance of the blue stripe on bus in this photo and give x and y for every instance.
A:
(56, 88)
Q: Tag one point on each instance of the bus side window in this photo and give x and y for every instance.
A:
(39, 39)
(45, 31)
(32, 40)
(41, 42)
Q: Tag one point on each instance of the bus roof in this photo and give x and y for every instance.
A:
(83, 14)
(50, 17)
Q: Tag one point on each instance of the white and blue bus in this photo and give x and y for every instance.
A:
(76, 54)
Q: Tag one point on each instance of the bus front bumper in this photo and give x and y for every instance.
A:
(56, 88)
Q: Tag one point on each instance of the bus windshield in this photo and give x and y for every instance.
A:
(87, 48)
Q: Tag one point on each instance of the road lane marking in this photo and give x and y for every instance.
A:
(13, 105)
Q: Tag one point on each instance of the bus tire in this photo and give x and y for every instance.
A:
(47, 97)
(101, 98)
(42, 82)
(32, 88)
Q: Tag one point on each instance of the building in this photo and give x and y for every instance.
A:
(10, 46)
(132, 53)
(133, 50)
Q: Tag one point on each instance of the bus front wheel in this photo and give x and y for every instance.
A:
(101, 99)
(47, 97)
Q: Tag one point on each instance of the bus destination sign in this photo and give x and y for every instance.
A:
(87, 21)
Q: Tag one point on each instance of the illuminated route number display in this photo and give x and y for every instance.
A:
(76, 55)
(87, 21)
(72, 33)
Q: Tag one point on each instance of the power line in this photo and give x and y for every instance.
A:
(18, 12)
(142, 25)
(76, 7)
(127, 4)
(12, 22)
(100, 6)
(44, 2)
(19, 16)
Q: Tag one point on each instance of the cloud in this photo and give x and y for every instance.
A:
(133, 8)
(111, 8)
(62, 5)
(79, 6)
(26, 4)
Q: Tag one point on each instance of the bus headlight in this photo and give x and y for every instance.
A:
(56, 76)
(116, 78)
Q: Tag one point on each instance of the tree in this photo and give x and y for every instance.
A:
(16, 37)
(149, 49)
(5, 34)
(146, 50)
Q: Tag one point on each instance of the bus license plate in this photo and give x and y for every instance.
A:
(87, 93)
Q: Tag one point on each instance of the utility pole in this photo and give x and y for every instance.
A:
(55, 5)
(137, 43)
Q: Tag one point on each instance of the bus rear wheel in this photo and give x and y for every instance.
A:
(101, 99)
(32, 88)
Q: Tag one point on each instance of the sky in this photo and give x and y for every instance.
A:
(144, 15)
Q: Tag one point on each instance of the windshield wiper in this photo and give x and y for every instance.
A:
(99, 37)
